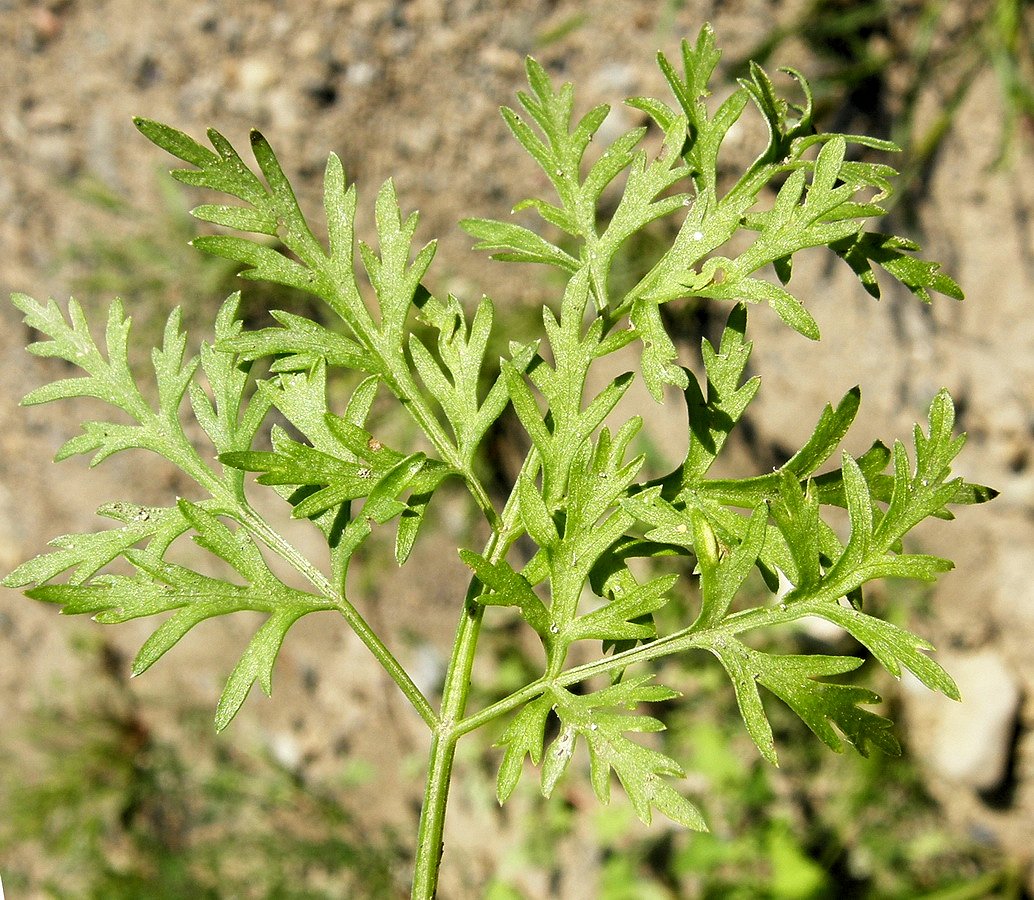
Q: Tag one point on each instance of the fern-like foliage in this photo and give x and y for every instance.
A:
(578, 500)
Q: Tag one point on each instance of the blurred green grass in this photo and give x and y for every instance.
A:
(98, 805)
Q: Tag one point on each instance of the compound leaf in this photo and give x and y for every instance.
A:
(819, 704)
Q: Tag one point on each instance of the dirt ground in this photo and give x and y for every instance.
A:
(411, 90)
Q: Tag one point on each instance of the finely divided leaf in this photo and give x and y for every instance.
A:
(192, 597)
(88, 553)
(595, 719)
(109, 379)
(894, 647)
(298, 345)
(891, 253)
(455, 381)
(641, 770)
(713, 417)
(659, 353)
(819, 704)
(509, 588)
(230, 420)
(524, 736)
(256, 663)
(627, 617)
(515, 243)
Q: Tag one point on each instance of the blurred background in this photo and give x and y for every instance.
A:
(117, 789)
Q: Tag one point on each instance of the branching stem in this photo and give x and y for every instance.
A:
(448, 730)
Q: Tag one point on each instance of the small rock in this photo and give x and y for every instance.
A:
(972, 739)
(360, 74)
(286, 751)
(503, 60)
(826, 636)
(46, 26)
(614, 78)
(255, 75)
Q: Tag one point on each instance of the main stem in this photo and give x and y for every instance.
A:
(448, 729)
(443, 750)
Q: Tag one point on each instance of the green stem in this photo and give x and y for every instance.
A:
(272, 539)
(449, 727)
(691, 639)
(456, 691)
(443, 749)
(518, 698)
(677, 642)
(185, 455)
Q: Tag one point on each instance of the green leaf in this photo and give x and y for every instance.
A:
(829, 432)
(524, 736)
(382, 505)
(628, 617)
(797, 514)
(712, 419)
(256, 664)
(594, 719)
(395, 281)
(600, 477)
(722, 575)
(515, 243)
(106, 379)
(175, 142)
(300, 343)
(230, 421)
(659, 353)
(640, 769)
(788, 307)
(375, 346)
(191, 597)
(527, 410)
(559, 152)
(509, 588)
(891, 253)
(302, 399)
(239, 218)
(455, 381)
(298, 464)
(264, 263)
(109, 379)
(535, 516)
(88, 553)
(705, 133)
(783, 126)
(894, 647)
(819, 704)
